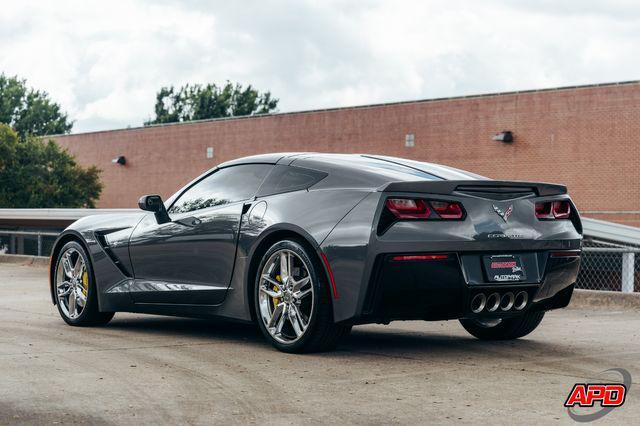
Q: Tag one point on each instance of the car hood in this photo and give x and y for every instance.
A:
(107, 222)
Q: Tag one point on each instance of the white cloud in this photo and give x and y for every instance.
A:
(104, 61)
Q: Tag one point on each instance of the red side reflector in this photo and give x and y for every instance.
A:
(332, 281)
(567, 253)
(421, 257)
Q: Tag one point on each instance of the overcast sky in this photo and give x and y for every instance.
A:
(103, 61)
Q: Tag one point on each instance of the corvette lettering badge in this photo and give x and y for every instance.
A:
(503, 214)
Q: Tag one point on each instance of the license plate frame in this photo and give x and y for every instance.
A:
(504, 268)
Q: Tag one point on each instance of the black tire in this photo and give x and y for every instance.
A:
(90, 315)
(507, 329)
(322, 333)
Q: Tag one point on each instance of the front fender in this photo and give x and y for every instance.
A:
(95, 234)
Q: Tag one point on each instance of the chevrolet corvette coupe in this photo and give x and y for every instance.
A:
(307, 245)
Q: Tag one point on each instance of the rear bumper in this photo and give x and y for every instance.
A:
(444, 288)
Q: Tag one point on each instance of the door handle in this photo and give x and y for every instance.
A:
(189, 221)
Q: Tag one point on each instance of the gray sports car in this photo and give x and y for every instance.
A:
(307, 245)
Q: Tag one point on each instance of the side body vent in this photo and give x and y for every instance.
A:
(105, 246)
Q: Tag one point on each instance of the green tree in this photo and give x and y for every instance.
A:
(198, 102)
(30, 112)
(39, 174)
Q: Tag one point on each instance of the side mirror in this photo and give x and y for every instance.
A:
(154, 203)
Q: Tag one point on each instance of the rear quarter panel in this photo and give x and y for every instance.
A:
(311, 214)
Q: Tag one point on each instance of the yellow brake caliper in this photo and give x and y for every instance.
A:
(276, 300)
(85, 283)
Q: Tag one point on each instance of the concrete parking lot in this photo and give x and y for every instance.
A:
(143, 369)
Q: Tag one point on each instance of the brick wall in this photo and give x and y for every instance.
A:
(584, 137)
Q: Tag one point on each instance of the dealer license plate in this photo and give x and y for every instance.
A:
(504, 268)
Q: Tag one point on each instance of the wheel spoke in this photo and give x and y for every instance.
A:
(66, 265)
(275, 317)
(72, 304)
(267, 278)
(64, 288)
(281, 319)
(284, 265)
(81, 299)
(303, 321)
(78, 267)
(296, 321)
(302, 293)
(271, 293)
(297, 286)
(296, 326)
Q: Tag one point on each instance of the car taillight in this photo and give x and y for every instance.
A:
(417, 208)
(561, 209)
(447, 209)
(406, 208)
(553, 210)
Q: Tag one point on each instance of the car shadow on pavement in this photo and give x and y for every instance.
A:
(413, 343)
(417, 344)
(187, 328)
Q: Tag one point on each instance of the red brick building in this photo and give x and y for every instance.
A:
(586, 137)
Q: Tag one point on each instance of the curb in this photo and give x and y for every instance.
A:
(20, 259)
(597, 299)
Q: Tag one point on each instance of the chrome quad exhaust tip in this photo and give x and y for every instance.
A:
(520, 301)
(493, 302)
(507, 300)
(478, 303)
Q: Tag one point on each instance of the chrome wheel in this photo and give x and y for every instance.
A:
(72, 283)
(285, 296)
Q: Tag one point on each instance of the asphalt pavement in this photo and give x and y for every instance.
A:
(142, 369)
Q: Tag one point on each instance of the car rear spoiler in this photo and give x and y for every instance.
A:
(476, 186)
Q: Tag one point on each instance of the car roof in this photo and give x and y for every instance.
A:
(363, 163)
(351, 170)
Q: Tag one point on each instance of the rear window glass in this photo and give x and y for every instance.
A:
(289, 178)
(395, 170)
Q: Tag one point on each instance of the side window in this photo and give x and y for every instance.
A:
(224, 186)
(289, 178)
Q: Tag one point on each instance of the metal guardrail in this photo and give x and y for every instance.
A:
(56, 214)
(603, 230)
(38, 234)
(22, 225)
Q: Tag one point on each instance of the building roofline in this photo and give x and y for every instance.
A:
(356, 107)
